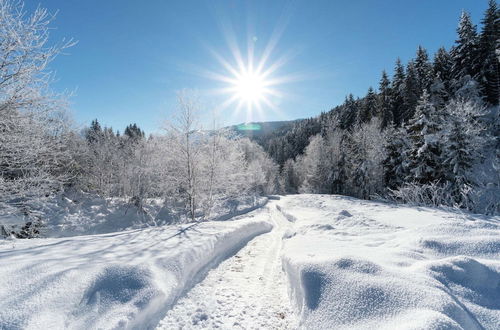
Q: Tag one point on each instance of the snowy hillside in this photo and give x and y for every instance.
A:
(303, 261)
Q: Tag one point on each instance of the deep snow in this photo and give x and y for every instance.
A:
(360, 264)
(124, 279)
(329, 262)
(75, 213)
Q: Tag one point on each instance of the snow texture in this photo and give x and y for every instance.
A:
(77, 213)
(247, 291)
(359, 264)
(120, 280)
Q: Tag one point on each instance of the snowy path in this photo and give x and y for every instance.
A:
(246, 291)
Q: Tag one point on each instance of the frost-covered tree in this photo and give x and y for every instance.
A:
(289, 178)
(489, 45)
(315, 167)
(465, 51)
(442, 68)
(425, 159)
(423, 70)
(34, 159)
(186, 150)
(364, 160)
(437, 93)
(465, 140)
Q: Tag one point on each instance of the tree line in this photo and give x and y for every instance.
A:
(42, 154)
(429, 135)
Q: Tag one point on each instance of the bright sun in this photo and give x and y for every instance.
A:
(250, 87)
(251, 82)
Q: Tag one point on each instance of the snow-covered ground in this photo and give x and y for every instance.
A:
(124, 279)
(247, 291)
(76, 213)
(303, 261)
(360, 264)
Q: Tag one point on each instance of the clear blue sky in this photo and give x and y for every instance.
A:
(133, 56)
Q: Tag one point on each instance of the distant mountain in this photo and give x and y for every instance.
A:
(260, 131)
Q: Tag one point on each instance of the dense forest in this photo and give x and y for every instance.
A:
(429, 135)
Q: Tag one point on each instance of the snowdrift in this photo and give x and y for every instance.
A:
(126, 280)
(358, 264)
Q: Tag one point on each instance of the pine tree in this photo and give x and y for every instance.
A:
(398, 92)
(465, 51)
(425, 163)
(489, 43)
(348, 115)
(368, 108)
(465, 139)
(438, 95)
(396, 162)
(411, 92)
(384, 101)
(442, 68)
(94, 133)
(423, 70)
(133, 132)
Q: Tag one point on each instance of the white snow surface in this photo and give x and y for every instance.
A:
(75, 213)
(247, 291)
(356, 264)
(121, 280)
(302, 261)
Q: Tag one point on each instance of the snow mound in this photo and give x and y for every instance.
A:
(121, 280)
(386, 266)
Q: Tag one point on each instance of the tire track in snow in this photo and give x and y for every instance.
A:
(246, 291)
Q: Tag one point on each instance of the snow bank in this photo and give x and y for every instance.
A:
(78, 213)
(360, 264)
(125, 279)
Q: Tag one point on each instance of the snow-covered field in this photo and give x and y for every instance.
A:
(124, 279)
(360, 264)
(303, 261)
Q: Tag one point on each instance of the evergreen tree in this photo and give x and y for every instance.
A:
(94, 133)
(396, 162)
(398, 92)
(348, 115)
(465, 139)
(368, 108)
(411, 92)
(133, 132)
(423, 70)
(489, 44)
(442, 68)
(438, 95)
(384, 101)
(425, 163)
(465, 51)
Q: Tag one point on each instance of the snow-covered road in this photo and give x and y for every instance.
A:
(246, 291)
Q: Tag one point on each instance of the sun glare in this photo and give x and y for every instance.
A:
(250, 87)
(251, 81)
